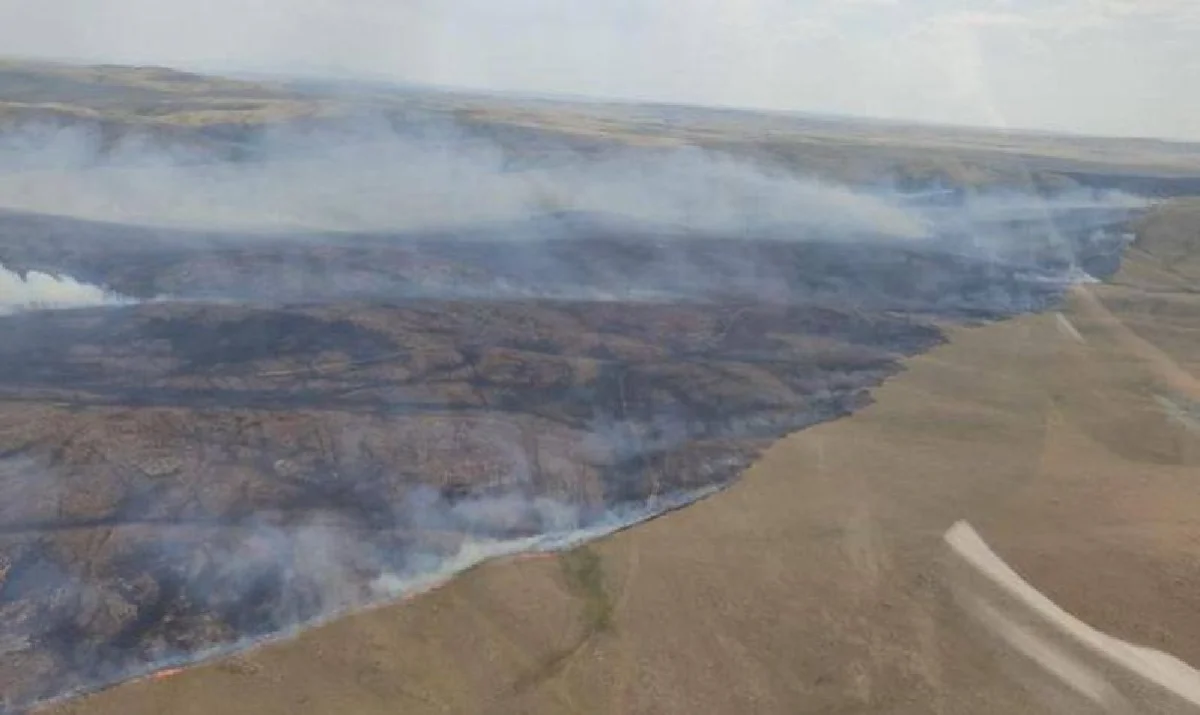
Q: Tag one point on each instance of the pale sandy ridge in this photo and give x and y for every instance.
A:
(1154, 681)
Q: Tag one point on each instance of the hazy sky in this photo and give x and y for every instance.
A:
(1097, 66)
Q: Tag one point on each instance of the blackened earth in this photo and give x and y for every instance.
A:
(284, 420)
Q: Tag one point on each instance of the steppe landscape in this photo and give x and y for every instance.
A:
(374, 400)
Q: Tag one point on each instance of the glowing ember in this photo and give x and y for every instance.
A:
(536, 556)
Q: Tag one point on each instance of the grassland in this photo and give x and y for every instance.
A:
(815, 584)
(218, 113)
(140, 96)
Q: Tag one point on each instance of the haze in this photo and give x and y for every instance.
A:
(1116, 67)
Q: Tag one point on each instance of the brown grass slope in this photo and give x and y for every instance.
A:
(138, 96)
(814, 585)
(1166, 255)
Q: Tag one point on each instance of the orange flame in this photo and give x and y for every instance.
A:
(535, 556)
(164, 674)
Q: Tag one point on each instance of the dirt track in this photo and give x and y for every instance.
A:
(815, 584)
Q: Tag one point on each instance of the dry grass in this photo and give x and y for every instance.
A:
(1167, 252)
(848, 149)
(143, 96)
(842, 149)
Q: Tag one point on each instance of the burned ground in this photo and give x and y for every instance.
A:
(279, 423)
(182, 474)
(584, 257)
(136, 462)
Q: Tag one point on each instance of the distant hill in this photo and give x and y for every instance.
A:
(227, 115)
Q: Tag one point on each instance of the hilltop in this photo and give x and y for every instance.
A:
(225, 117)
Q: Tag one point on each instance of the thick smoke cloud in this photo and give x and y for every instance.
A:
(370, 179)
(36, 290)
(428, 207)
(367, 177)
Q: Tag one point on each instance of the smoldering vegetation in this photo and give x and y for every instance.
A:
(995, 267)
(389, 217)
(176, 590)
(367, 357)
(375, 178)
(371, 186)
(180, 479)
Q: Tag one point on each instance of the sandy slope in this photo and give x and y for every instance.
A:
(816, 584)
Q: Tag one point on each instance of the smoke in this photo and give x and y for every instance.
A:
(410, 196)
(565, 526)
(416, 205)
(368, 178)
(217, 588)
(40, 291)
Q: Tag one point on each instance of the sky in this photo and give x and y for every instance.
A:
(1112, 67)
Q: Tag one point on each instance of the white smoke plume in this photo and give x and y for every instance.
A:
(40, 291)
(567, 530)
(328, 562)
(372, 179)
